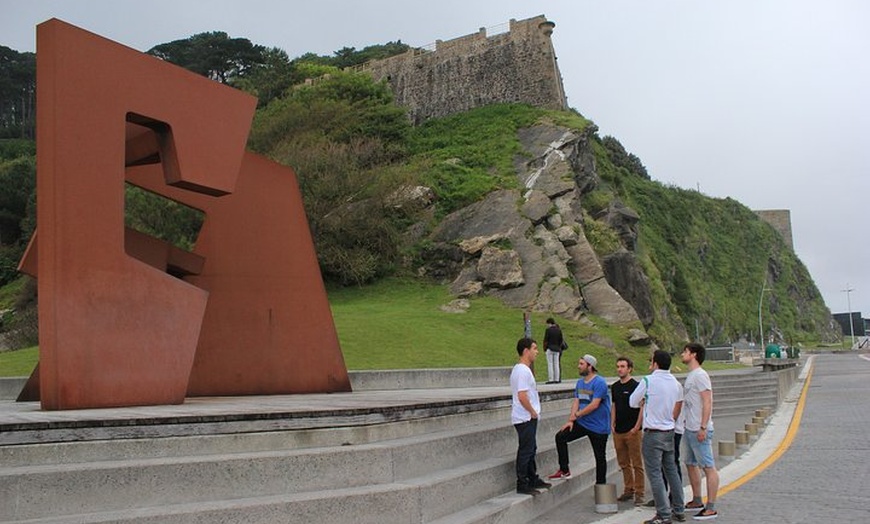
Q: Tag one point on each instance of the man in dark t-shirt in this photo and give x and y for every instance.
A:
(626, 428)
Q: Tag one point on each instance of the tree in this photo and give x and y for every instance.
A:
(17, 94)
(214, 55)
(340, 135)
(349, 56)
(17, 212)
(270, 79)
(622, 158)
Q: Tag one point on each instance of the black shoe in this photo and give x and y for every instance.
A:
(527, 490)
(706, 514)
(651, 503)
(657, 520)
(679, 517)
(540, 484)
(628, 495)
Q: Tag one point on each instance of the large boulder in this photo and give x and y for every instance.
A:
(623, 220)
(625, 274)
(500, 268)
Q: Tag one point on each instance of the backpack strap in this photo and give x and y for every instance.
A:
(645, 396)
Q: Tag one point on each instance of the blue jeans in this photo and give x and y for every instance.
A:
(677, 438)
(658, 455)
(527, 470)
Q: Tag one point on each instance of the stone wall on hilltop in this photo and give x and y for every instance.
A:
(518, 66)
(780, 220)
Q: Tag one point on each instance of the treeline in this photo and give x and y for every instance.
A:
(264, 72)
(339, 133)
(17, 94)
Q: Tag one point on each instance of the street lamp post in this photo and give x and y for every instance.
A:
(760, 325)
(848, 292)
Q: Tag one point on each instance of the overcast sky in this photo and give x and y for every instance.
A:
(763, 101)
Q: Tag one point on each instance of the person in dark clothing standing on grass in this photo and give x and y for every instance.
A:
(554, 344)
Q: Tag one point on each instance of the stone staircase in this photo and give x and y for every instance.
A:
(456, 467)
(739, 394)
(437, 470)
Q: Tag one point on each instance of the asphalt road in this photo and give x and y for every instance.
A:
(824, 476)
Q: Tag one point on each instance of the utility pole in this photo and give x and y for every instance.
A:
(760, 325)
(848, 291)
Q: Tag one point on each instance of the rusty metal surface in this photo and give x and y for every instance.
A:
(249, 314)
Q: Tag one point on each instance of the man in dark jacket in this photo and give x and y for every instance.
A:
(553, 342)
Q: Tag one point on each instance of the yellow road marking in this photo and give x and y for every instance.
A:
(783, 446)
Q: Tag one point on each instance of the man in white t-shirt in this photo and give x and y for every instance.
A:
(525, 410)
(698, 408)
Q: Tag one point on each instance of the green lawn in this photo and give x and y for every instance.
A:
(398, 324)
(18, 363)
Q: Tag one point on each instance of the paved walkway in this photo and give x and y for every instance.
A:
(809, 465)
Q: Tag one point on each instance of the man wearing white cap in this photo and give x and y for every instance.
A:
(589, 417)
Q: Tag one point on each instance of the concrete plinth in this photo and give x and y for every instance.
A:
(605, 498)
(726, 449)
(741, 438)
(752, 429)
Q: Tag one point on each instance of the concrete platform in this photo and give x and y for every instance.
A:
(442, 454)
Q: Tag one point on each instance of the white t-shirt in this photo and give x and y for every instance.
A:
(522, 379)
(696, 381)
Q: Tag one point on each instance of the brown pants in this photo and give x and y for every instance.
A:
(630, 461)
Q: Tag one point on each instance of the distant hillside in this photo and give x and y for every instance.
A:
(685, 264)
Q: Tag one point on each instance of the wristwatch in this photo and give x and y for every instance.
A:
(703, 428)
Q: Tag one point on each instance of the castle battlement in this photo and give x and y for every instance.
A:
(780, 220)
(474, 70)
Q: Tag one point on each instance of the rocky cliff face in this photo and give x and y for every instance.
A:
(528, 247)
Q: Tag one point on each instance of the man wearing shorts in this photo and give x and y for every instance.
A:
(698, 409)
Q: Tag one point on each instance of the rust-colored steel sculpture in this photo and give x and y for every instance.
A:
(126, 319)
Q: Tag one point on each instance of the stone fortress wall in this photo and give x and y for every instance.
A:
(780, 220)
(476, 70)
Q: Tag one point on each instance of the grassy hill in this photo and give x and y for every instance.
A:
(397, 323)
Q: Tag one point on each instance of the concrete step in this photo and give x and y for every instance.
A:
(108, 485)
(448, 465)
(510, 508)
(740, 406)
(279, 440)
(421, 497)
(419, 500)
